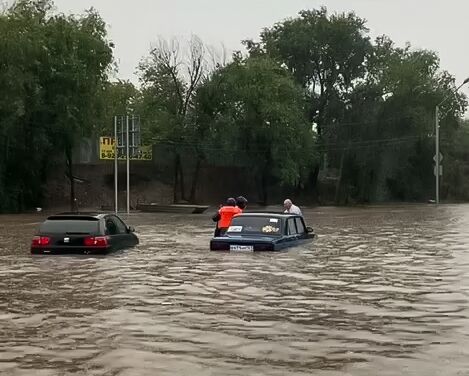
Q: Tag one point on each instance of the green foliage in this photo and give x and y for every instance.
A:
(325, 53)
(403, 87)
(373, 103)
(53, 70)
(256, 114)
(170, 77)
(118, 98)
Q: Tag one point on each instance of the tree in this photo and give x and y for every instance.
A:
(81, 56)
(372, 103)
(256, 112)
(170, 78)
(53, 71)
(119, 98)
(454, 182)
(388, 145)
(326, 54)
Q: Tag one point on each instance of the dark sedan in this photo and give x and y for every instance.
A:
(83, 234)
(251, 232)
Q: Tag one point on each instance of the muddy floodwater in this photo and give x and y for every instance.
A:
(381, 291)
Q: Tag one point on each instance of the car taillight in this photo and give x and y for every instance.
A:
(96, 241)
(40, 241)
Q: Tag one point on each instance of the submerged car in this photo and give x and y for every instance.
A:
(84, 233)
(263, 232)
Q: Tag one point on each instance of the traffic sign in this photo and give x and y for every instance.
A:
(441, 157)
(107, 148)
(441, 170)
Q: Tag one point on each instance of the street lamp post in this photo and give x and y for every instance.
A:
(437, 143)
(437, 154)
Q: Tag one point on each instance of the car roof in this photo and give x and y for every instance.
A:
(268, 214)
(77, 216)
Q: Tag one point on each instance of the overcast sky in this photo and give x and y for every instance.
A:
(438, 25)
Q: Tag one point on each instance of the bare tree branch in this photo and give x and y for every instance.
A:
(195, 67)
(187, 63)
(166, 55)
(217, 57)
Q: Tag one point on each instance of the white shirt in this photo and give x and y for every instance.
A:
(293, 210)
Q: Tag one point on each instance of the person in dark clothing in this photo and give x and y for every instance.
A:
(241, 202)
(216, 218)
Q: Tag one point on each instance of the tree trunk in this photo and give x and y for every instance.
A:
(69, 162)
(176, 178)
(366, 184)
(195, 180)
(314, 184)
(263, 188)
(179, 187)
(339, 181)
(181, 181)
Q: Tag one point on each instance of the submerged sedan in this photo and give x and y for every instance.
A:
(83, 234)
(263, 232)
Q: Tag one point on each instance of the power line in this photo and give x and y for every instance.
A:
(216, 144)
(264, 147)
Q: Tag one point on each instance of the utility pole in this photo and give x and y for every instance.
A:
(116, 149)
(437, 155)
(128, 164)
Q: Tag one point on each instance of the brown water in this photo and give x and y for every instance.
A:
(382, 291)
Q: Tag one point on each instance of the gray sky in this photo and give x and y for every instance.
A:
(438, 25)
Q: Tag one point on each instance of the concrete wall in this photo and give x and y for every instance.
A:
(151, 181)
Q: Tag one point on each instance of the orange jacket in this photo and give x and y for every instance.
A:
(226, 214)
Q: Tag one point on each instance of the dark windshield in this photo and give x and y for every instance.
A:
(70, 226)
(266, 226)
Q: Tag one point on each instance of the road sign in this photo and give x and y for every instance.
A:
(138, 153)
(441, 170)
(441, 158)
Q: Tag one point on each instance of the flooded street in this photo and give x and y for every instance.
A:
(381, 291)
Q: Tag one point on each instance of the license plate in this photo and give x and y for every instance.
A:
(241, 248)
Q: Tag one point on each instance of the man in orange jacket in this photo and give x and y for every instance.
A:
(224, 216)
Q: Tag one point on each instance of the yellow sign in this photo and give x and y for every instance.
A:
(106, 151)
(106, 148)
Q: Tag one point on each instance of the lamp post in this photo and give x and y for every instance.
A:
(437, 143)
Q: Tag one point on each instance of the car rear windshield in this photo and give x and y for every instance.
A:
(70, 226)
(266, 226)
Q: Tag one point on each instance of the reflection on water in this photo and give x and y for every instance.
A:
(382, 291)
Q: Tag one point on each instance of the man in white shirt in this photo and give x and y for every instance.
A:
(290, 208)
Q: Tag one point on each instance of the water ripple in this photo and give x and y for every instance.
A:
(382, 290)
